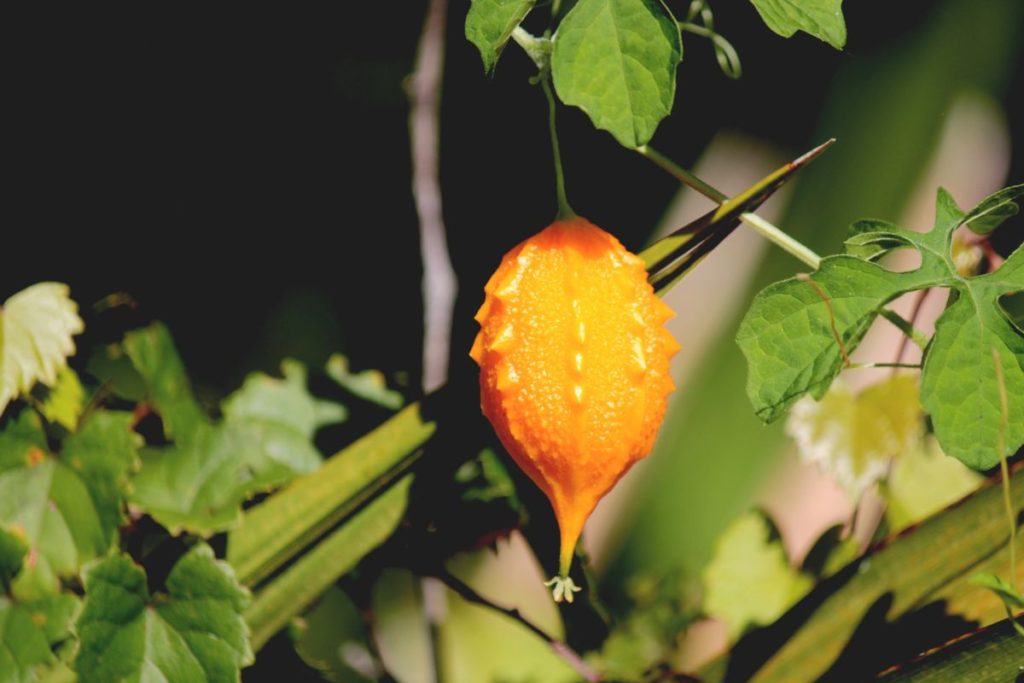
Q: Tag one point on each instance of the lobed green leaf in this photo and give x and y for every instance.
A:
(194, 632)
(789, 335)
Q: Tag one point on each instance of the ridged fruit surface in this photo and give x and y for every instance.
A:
(574, 365)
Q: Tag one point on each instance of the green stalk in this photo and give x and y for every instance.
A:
(565, 211)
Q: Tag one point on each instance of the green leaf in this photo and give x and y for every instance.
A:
(616, 60)
(199, 483)
(66, 507)
(28, 633)
(13, 548)
(200, 486)
(749, 579)
(823, 19)
(332, 631)
(960, 387)
(489, 25)
(36, 329)
(298, 586)
(789, 334)
(154, 356)
(924, 481)
(994, 209)
(194, 632)
(368, 385)
(286, 402)
(854, 436)
(64, 403)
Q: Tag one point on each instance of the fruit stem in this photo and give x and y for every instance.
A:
(565, 211)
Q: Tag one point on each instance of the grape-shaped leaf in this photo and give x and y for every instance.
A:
(154, 356)
(65, 506)
(489, 25)
(616, 60)
(749, 580)
(193, 632)
(28, 633)
(789, 335)
(65, 401)
(36, 329)
(823, 19)
(853, 436)
(368, 385)
(924, 481)
(199, 483)
(286, 402)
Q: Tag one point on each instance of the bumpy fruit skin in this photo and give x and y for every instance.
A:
(574, 365)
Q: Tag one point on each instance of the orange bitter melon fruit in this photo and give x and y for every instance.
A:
(574, 367)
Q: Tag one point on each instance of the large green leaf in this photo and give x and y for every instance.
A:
(36, 329)
(616, 60)
(931, 563)
(823, 19)
(199, 483)
(28, 633)
(193, 632)
(66, 507)
(489, 25)
(798, 332)
(854, 436)
(749, 579)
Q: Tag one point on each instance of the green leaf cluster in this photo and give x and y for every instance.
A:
(617, 59)
(797, 334)
(199, 483)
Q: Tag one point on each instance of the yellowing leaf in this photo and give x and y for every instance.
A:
(66, 400)
(924, 481)
(749, 580)
(853, 436)
(36, 329)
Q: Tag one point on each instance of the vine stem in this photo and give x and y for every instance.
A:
(794, 247)
(770, 232)
(1004, 467)
(568, 655)
(564, 210)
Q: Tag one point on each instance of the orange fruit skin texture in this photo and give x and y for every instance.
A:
(574, 365)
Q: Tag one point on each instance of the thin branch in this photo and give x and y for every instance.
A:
(439, 283)
(570, 656)
(915, 335)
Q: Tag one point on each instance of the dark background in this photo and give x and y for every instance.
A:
(244, 172)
